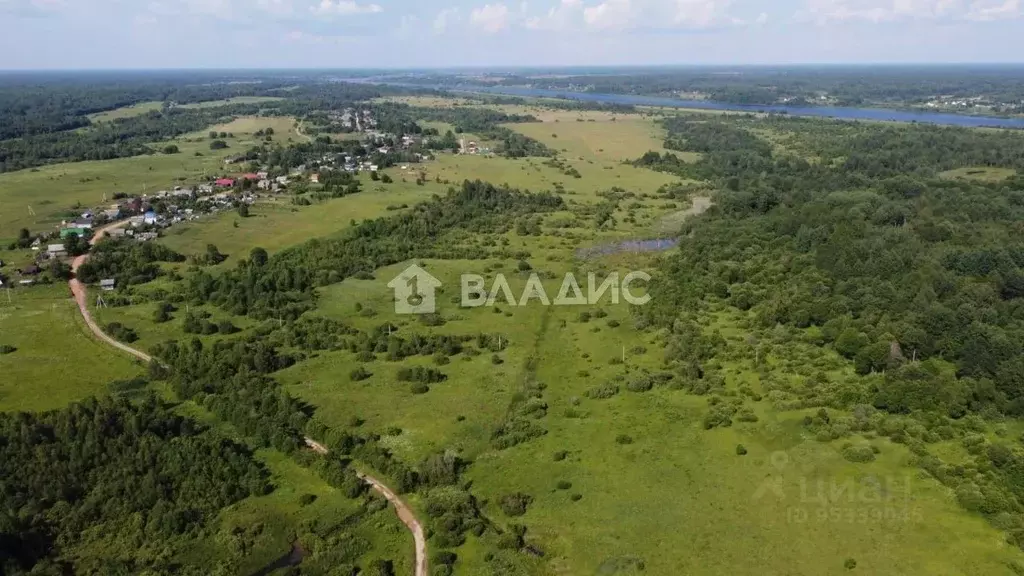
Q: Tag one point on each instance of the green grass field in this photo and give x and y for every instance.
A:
(57, 360)
(278, 224)
(230, 101)
(126, 112)
(982, 173)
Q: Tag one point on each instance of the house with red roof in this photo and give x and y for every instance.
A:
(224, 182)
(251, 176)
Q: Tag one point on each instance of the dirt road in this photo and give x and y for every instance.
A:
(81, 295)
(405, 513)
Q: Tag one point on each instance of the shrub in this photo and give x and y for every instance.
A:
(419, 388)
(121, 332)
(563, 485)
(576, 497)
(515, 504)
(624, 439)
(602, 392)
(859, 453)
(360, 373)
(307, 499)
(741, 450)
(496, 360)
(7, 349)
(613, 323)
(641, 384)
(850, 564)
(524, 266)
(560, 455)
(443, 557)
(366, 356)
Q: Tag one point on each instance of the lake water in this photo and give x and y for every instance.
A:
(837, 112)
(658, 245)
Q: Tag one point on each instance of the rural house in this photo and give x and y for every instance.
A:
(108, 284)
(56, 250)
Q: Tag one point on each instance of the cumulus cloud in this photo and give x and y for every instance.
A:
(490, 18)
(623, 15)
(563, 16)
(345, 8)
(824, 11)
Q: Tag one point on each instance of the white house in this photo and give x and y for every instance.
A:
(108, 284)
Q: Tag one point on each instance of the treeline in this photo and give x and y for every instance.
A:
(126, 261)
(120, 138)
(282, 287)
(42, 103)
(110, 486)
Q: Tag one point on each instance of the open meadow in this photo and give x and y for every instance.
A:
(56, 360)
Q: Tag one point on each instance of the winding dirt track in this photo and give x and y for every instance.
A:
(405, 514)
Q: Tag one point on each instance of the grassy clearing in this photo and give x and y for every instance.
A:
(230, 101)
(979, 173)
(126, 112)
(57, 360)
(277, 224)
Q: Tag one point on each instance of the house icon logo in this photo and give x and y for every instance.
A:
(414, 291)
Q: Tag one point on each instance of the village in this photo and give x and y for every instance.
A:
(147, 215)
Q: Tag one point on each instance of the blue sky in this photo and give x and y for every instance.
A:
(66, 34)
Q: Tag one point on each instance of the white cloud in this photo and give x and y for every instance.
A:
(609, 15)
(490, 18)
(345, 8)
(563, 16)
(823, 11)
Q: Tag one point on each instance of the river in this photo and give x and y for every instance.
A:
(836, 112)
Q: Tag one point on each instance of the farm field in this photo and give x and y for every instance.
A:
(57, 360)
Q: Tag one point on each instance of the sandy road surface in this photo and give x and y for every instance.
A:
(405, 514)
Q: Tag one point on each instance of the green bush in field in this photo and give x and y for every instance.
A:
(859, 453)
(602, 392)
(515, 504)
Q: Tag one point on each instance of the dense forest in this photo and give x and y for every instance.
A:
(110, 486)
(846, 236)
